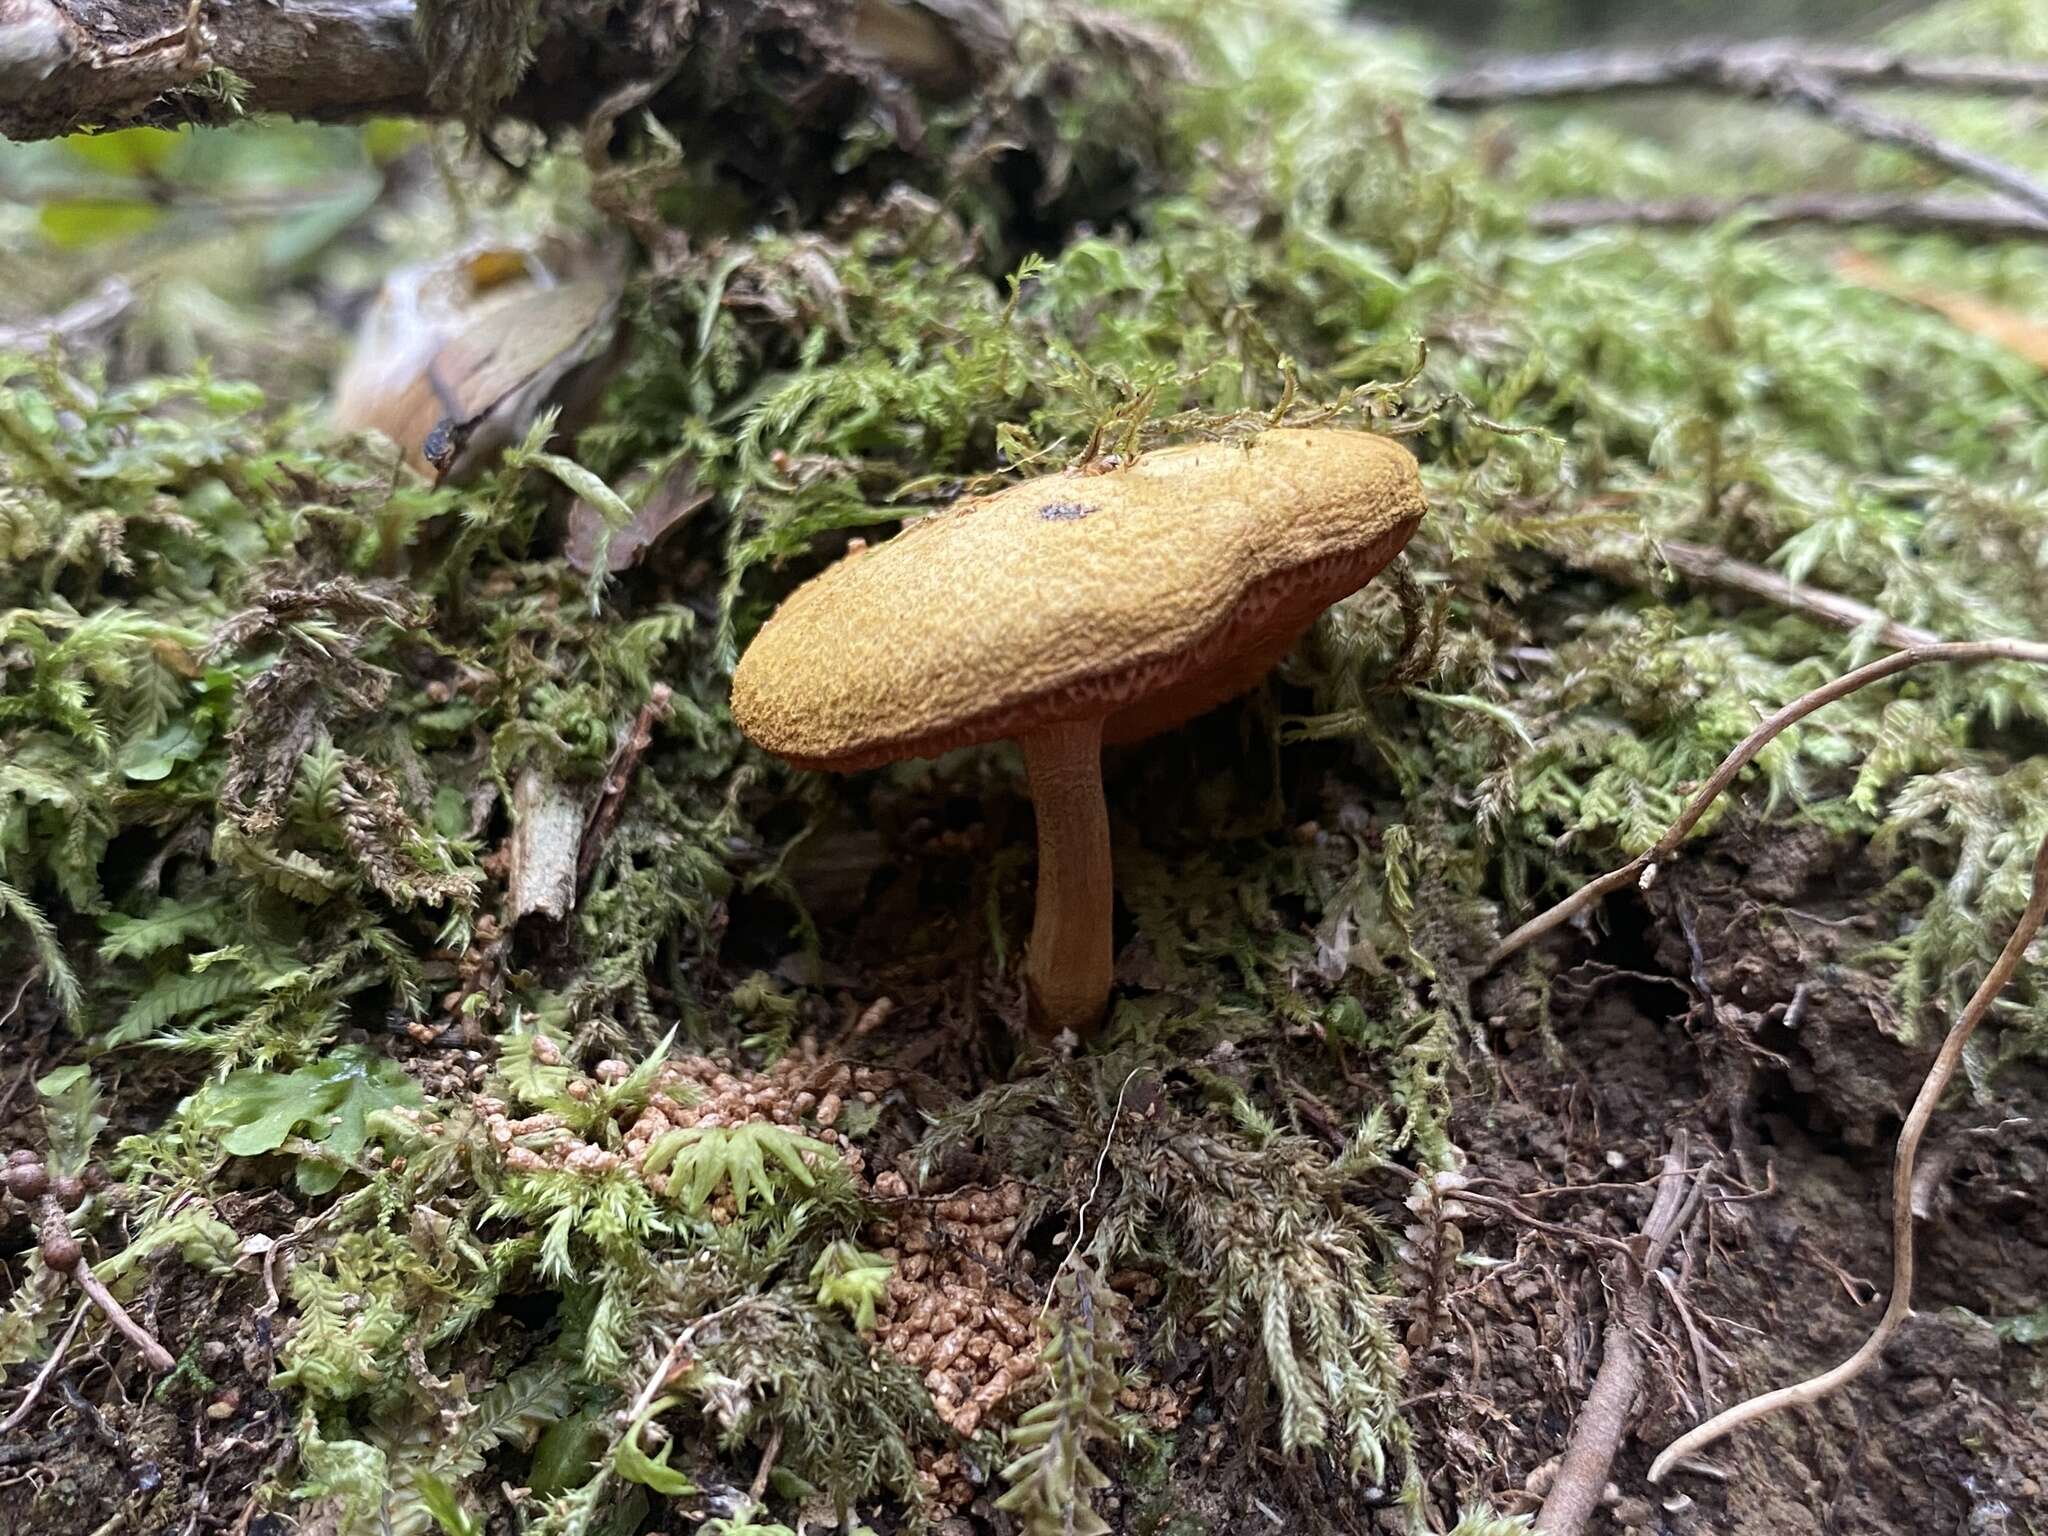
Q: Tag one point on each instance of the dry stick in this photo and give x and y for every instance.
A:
(35, 1388)
(1731, 766)
(618, 778)
(1704, 563)
(1814, 1388)
(1589, 1454)
(1816, 95)
(1976, 218)
(1788, 76)
(1714, 66)
(154, 1354)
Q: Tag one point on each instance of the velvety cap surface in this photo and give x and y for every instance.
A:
(1068, 596)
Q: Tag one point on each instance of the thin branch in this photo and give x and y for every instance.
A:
(153, 1353)
(1721, 66)
(35, 1388)
(1900, 1305)
(1978, 218)
(1604, 1420)
(618, 778)
(1787, 73)
(1818, 96)
(1643, 865)
(1704, 563)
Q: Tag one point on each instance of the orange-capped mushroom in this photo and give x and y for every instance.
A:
(1071, 610)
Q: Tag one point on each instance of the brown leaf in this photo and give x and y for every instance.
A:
(666, 508)
(2017, 333)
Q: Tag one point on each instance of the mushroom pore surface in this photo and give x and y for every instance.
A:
(1139, 597)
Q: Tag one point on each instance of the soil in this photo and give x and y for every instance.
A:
(1709, 1009)
(1656, 1039)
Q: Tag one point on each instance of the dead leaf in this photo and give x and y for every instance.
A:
(455, 359)
(666, 508)
(2019, 334)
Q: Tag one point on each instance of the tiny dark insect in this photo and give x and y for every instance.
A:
(1064, 511)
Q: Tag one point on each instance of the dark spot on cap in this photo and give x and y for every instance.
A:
(1064, 511)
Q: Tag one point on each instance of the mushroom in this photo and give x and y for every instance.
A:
(1070, 611)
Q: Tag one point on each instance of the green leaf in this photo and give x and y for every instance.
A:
(566, 1455)
(71, 1116)
(440, 1502)
(636, 1466)
(166, 925)
(153, 757)
(328, 1102)
(174, 997)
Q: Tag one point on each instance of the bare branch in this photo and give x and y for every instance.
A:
(1806, 78)
(1900, 1305)
(1966, 218)
(1723, 66)
(1703, 563)
(1818, 96)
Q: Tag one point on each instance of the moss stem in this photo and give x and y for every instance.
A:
(1068, 967)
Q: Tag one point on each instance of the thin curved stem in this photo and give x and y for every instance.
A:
(1900, 1306)
(1068, 966)
(1732, 765)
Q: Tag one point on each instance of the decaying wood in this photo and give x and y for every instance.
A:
(71, 64)
(66, 64)
(547, 831)
(1970, 218)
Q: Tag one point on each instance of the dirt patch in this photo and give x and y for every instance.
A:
(1715, 1007)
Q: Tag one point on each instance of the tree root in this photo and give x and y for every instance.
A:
(1604, 1420)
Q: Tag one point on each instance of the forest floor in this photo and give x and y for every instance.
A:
(688, 1168)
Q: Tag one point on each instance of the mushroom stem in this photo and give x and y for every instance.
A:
(1068, 966)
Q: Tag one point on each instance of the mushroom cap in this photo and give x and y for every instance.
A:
(1138, 596)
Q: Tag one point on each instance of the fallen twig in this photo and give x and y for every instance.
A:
(1643, 865)
(1727, 66)
(1900, 1305)
(1979, 218)
(1813, 92)
(618, 778)
(35, 1388)
(1702, 562)
(1788, 73)
(1589, 1453)
(154, 1354)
